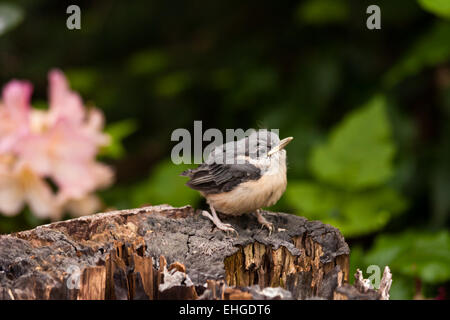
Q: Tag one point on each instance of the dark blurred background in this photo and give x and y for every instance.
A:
(369, 109)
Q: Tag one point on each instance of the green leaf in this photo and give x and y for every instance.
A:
(402, 288)
(318, 12)
(313, 200)
(440, 8)
(83, 79)
(10, 16)
(356, 261)
(353, 213)
(118, 131)
(429, 50)
(172, 84)
(359, 151)
(165, 186)
(414, 253)
(147, 62)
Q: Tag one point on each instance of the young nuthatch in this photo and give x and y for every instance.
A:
(242, 177)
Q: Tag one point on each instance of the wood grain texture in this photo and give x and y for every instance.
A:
(162, 252)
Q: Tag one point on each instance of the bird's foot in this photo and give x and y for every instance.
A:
(226, 227)
(264, 222)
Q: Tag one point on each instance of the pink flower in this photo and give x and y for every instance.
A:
(65, 154)
(63, 102)
(59, 144)
(14, 113)
(64, 143)
(19, 185)
(83, 206)
(67, 105)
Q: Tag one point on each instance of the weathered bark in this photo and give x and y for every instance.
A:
(162, 252)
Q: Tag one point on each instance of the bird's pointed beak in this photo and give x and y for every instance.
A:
(283, 143)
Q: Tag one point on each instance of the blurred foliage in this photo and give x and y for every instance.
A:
(83, 80)
(147, 62)
(322, 11)
(359, 151)
(352, 170)
(438, 7)
(117, 132)
(414, 253)
(164, 185)
(410, 254)
(10, 17)
(428, 50)
(369, 109)
(355, 213)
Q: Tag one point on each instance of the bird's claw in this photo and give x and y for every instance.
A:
(264, 222)
(269, 227)
(226, 227)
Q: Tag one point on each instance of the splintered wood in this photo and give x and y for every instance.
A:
(162, 252)
(363, 289)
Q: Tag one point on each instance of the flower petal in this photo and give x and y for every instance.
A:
(93, 127)
(103, 175)
(11, 194)
(61, 143)
(14, 113)
(16, 98)
(76, 179)
(39, 195)
(34, 151)
(84, 206)
(64, 103)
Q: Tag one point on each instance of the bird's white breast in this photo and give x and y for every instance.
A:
(249, 196)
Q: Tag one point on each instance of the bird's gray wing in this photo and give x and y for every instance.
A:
(217, 178)
(228, 152)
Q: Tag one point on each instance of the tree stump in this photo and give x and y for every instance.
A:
(162, 252)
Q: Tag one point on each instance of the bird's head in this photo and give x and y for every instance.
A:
(264, 143)
(266, 151)
(261, 148)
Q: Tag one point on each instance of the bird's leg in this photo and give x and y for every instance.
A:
(263, 221)
(215, 219)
